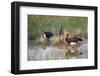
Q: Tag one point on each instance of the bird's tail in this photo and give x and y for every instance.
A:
(80, 39)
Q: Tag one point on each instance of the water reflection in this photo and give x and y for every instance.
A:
(37, 52)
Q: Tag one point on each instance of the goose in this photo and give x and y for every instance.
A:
(71, 40)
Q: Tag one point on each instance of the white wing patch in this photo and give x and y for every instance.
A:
(44, 35)
(73, 43)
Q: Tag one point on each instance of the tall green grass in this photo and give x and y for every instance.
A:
(73, 24)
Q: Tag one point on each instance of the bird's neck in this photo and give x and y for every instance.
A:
(67, 36)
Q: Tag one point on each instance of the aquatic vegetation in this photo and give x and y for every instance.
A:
(38, 23)
(56, 47)
(43, 52)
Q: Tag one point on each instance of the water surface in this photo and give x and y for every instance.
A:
(36, 52)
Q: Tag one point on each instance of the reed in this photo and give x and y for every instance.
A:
(73, 24)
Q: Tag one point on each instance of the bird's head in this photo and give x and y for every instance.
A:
(42, 34)
(66, 34)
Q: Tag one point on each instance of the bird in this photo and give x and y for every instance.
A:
(71, 40)
(47, 35)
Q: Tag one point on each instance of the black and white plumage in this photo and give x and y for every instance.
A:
(47, 35)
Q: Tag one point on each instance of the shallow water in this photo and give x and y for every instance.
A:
(36, 52)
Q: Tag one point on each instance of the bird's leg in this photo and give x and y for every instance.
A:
(48, 41)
